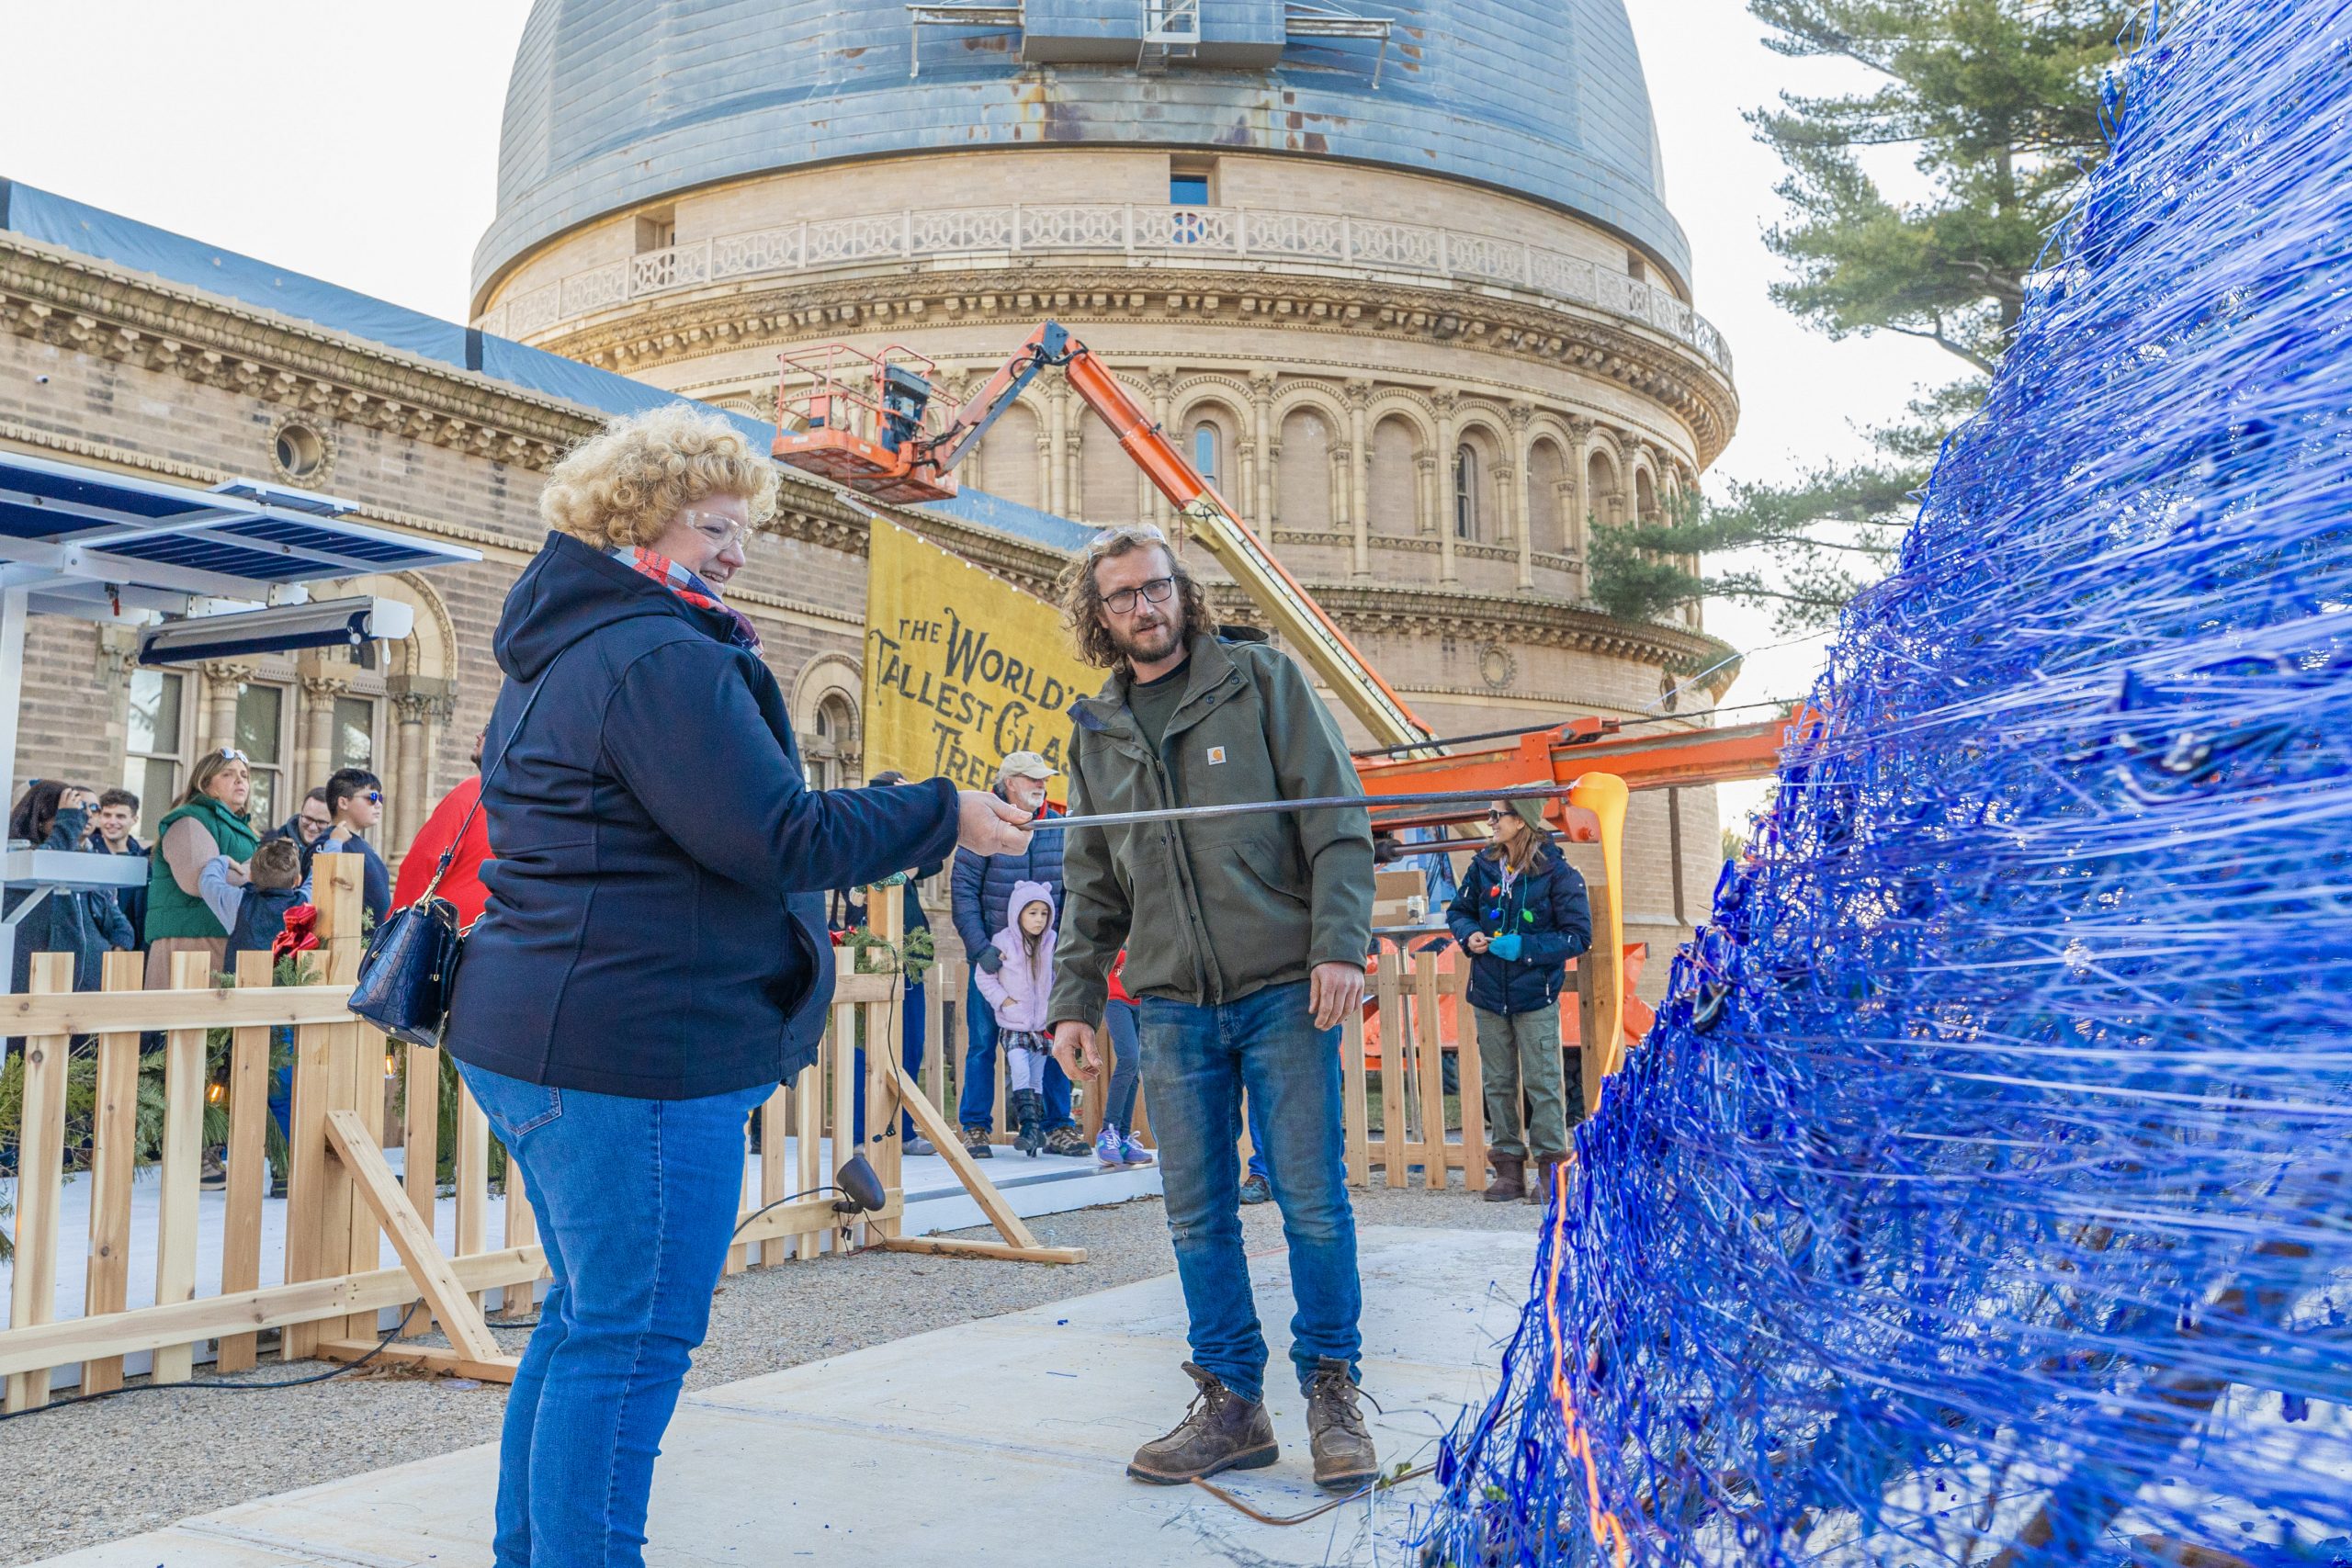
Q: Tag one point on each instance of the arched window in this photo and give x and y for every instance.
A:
(1204, 452)
(1466, 492)
(830, 745)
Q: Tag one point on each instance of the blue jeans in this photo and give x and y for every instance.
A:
(636, 1200)
(911, 1028)
(1197, 1064)
(1257, 1137)
(1119, 1027)
(976, 1107)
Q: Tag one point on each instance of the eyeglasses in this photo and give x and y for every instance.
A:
(1495, 816)
(1123, 601)
(231, 754)
(375, 797)
(729, 532)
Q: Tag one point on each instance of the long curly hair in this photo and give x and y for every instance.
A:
(1081, 596)
(622, 487)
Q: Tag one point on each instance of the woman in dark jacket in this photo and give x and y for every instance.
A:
(54, 815)
(1522, 914)
(651, 964)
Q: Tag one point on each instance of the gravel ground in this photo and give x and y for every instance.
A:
(118, 1467)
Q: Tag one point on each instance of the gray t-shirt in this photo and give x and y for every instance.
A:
(1154, 703)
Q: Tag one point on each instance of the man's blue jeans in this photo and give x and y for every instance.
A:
(1197, 1062)
(976, 1107)
(636, 1200)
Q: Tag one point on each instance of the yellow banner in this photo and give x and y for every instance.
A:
(962, 668)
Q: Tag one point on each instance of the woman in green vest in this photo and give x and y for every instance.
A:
(209, 820)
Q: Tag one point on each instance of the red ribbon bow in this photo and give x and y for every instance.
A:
(301, 934)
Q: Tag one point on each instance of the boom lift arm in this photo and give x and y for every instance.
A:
(902, 460)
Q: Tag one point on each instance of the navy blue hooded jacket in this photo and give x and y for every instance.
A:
(656, 916)
(981, 886)
(1546, 906)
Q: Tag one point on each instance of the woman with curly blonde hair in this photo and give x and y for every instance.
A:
(651, 962)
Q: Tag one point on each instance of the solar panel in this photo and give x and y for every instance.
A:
(62, 514)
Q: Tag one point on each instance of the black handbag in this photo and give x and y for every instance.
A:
(410, 966)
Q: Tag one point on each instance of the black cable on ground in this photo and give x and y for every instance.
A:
(222, 1386)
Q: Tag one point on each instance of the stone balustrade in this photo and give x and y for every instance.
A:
(1148, 236)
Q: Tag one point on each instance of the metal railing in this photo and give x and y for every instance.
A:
(1143, 235)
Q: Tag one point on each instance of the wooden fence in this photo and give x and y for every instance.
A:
(352, 1097)
(329, 1289)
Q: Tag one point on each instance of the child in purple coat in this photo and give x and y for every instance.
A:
(1018, 992)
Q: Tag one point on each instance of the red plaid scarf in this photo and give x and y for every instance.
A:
(691, 589)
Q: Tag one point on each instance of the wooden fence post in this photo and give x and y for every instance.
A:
(774, 1115)
(114, 1137)
(1469, 1080)
(1600, 1014)
(178, 1171)
(885, 1049)
(40, 1178)
(1429, 1052)
(420, 1151)
(319, 1195)
(1352, 1109)
(1387, 983)
(807, 1126)
(248, 1160)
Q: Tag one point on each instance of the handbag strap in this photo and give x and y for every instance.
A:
(441, 868)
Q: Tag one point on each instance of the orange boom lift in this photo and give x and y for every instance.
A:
(868, 422)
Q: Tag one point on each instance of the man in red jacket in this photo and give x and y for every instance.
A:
(463, 885)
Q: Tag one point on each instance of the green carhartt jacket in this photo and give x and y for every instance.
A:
(1210, 912)
(171, 913)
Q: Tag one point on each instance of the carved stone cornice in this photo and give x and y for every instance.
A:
(86, 306)
(681, 329)
(1522, 620)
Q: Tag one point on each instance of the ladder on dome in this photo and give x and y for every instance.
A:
(1172, 31)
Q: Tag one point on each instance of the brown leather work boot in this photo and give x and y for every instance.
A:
(1344, 1460)
(1221, 1431)
(1507, 1187)
(1545, 1176)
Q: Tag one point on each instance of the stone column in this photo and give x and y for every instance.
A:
(1427, 513)
(1269, 485)
(412, 753)
(1045, 466)
(319, 692)
(221, 679)
(1358, 467)
(1523, 472)
(1057, 486)
(1335, 483)
(1262, 419)
(1074, 460)
(1571, 534)
(1449, 442)
(1160, 386)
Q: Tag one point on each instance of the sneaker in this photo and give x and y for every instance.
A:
(1068, 1142)
(211, 1175)
(1132, 1152)
(1221, 1431)
(1106, 1147)
(1256, 1190)
(917, 1145)
(1344, 1460)
(975, 1142)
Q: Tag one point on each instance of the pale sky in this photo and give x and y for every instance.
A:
(360, 143)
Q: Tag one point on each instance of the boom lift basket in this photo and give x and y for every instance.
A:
(860, 419)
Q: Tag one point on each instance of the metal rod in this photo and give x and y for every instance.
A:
(1320, 803)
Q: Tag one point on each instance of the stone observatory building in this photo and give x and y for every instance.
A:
(1400, 275)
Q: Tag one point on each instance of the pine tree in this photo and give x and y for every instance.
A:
(2002, 100)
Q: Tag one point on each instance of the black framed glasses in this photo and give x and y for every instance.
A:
(1495, 816)
(1124, 600)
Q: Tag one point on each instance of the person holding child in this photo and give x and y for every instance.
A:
(1522, 914)
(251, 901)
(1017, 990)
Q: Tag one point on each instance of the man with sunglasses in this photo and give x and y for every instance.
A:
(1246, 939)
(355, 802)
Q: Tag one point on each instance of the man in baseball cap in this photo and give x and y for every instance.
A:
(981, 887)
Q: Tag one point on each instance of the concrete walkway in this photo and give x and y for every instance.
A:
(1002, 1441)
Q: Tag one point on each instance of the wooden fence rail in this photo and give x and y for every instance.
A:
(327, 1286)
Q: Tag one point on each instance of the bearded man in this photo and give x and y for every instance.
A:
(1246, 939)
